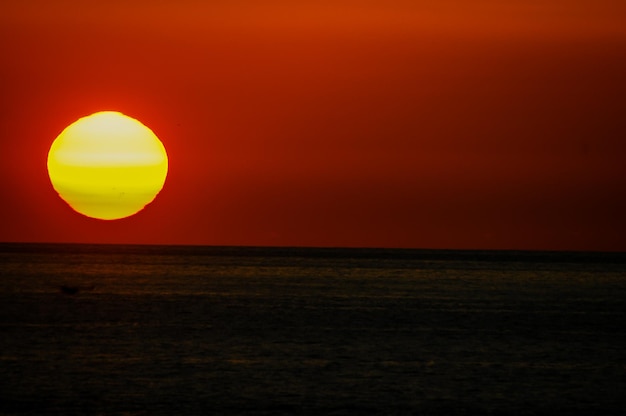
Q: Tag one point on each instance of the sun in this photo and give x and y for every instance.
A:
(107, 165)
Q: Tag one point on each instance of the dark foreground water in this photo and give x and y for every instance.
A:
(240, 331)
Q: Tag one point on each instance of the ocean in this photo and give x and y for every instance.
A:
(175, 330)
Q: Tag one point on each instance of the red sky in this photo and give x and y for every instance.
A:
(426, 124)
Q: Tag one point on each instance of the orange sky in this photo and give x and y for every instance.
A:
(428, 124)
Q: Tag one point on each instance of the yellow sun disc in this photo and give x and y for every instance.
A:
(107, 165)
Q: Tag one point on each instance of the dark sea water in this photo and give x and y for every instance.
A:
(244, 331)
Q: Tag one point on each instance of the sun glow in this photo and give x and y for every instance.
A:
(107, 165)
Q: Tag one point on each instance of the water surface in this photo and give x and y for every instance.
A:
(252, 331)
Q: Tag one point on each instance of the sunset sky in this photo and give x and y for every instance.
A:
(452, 124)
